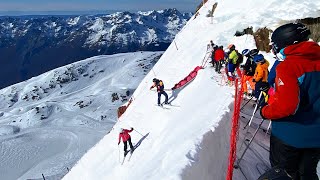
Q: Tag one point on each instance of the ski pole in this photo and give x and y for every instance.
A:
(246, 103)
(254, 111)
(141, 134)
(268, 127)
(138, 132)
(254, 135)
(249, 122)
(119, 153)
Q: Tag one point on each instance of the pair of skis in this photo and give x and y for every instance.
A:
(124, 157)
(165, 106)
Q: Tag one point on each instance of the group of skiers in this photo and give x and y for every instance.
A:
(255, 69)
(231, 58)
(293, 103)
(290, 98)
(288, 95)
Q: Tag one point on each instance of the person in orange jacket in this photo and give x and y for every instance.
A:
(124, 134)
(261, 75)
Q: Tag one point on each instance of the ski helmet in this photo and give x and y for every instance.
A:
(154, 80)
(253, 52)
(258, 58)
(288, 34)
(245, 52)
(231, 47)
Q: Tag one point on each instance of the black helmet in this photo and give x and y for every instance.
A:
(289, 34)
(245, 52)
(154, 80)
(253, 52)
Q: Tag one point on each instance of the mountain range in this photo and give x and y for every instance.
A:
(32, 45)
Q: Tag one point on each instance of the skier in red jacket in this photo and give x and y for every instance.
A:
(218, 57)
(124, 134)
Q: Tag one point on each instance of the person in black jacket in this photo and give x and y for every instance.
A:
(248, 70)
(160, 89)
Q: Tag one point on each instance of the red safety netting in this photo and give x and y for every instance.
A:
(234, 127)
(192, 75)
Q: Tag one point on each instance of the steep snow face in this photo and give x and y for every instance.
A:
(48, 122)
(174, 134)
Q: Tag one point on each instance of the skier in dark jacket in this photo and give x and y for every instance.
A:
(248, 69)
(295, 112)
(160, 89)
(124, 134)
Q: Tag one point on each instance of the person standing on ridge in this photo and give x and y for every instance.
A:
(295, 111)
(261, 75)
(232, 61)
(218, 57)
(248, 69)
(124, 134)
(160, 89)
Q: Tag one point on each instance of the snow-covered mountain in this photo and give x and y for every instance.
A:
(48, 122)
(31, 45)
(191, 139)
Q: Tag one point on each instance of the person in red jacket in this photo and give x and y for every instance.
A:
(218, 57)
(295, 111)
(124, 134)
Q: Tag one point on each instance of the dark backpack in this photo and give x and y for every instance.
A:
(240, 58)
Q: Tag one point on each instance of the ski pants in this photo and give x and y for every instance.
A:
(300, 163)
(159, 97)
(217, 66)
(130, 144)
(244, 83)
(231, 67)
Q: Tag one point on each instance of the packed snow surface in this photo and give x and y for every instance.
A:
(48, 122)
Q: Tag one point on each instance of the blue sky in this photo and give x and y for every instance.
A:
(88, 5)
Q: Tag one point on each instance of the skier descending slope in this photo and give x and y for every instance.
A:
(160, 89)
(124, 134)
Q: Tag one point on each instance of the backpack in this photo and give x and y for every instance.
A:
(160, 85)
(240, 58)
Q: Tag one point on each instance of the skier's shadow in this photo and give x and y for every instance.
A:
(140, 141)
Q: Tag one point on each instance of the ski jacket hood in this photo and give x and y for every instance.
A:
(306, 50)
